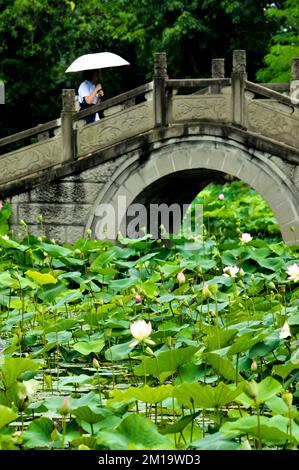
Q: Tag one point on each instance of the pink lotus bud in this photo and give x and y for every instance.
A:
(1, 205)
(137, 298)
(95, 363)
(253, 365)
(221, 197)
(65, 406)
(181, 277)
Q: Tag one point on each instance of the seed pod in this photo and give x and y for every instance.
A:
(287, 398)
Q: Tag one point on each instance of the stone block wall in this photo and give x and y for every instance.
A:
(65, 204)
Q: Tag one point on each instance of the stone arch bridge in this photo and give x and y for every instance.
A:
(159, 143)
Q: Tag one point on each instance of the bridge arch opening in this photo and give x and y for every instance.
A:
(176, 170)
(206, 191)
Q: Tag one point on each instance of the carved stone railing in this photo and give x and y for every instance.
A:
(122, 119)
(235, 101)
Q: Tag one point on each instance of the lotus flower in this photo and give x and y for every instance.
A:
(230, 271)
(293, 272)
(141, 330)
(285, 331)
(246, 237)
(95, 363)
(181, 277)
(137, 298)
(221, 197)
(65, 406)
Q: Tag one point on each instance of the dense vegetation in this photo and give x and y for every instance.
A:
(147, 346)
(40, 38)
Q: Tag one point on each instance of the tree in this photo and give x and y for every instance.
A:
(284, 45)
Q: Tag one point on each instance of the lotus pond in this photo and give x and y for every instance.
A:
(147, 345)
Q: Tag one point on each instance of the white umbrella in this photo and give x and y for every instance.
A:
(96, 61)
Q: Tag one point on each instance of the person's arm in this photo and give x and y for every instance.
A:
(98, 91)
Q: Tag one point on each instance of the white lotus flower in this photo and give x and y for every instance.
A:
(141, 330)
(230, 271)
(285, 331)
(5, 237)
(246, 237)
(293, 272)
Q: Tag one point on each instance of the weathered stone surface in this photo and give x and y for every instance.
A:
(290, 232)
(66, 192)
(284, 214)
(97, 174)
(28, 160)
(19, 198)
(56, 214)
(14, 218)
(56, 232)
(286, 167)
(296, 176)
(73, 233)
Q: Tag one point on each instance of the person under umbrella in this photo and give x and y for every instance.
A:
(90, 93)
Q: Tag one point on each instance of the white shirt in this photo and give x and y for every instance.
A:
(85, 89)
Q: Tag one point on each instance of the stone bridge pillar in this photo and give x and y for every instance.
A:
(160, 75)
(239, 76)
(68, 109)
(294, 85)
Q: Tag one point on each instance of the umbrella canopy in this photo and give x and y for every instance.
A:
(96, 61)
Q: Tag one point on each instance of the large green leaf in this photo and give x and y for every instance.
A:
(13, 367)
(134, 432)
(261, 349)
(244, 342)
(56, 250)
(205, 396)
(89, 414)
(122, 284)
(165, 363)
(6, 415)
(274, 430)
(118, 352)
(41, 278)
(179, 425)
(88, 347)
(145, 393)
(284, 370)
(39, 434)
(217, 441)
(60, 325)
(266, 389)
(222, 366)
(218, 338)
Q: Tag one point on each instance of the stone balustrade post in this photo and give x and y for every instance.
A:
(217, 72)
(160, 75)
(239, 76)
(294, 85)
(68, 109)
